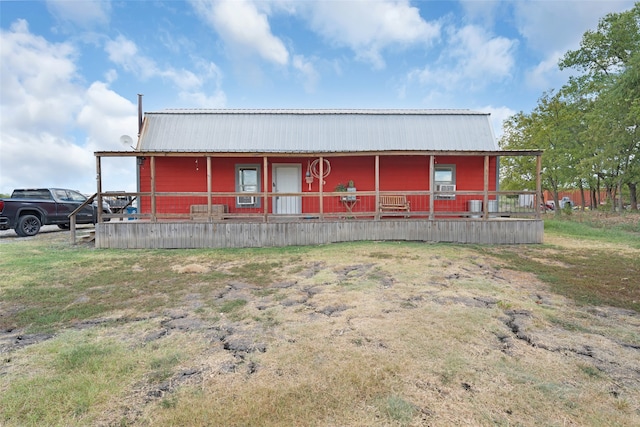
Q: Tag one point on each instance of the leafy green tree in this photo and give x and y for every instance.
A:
(621, 104)
(552, 127)
(518, 172)
(590, 128)
(608, 59)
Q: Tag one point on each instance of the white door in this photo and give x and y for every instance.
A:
(287, 179)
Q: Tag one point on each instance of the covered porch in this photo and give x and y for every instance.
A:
(317, 213)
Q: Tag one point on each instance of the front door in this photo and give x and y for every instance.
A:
(287, 178)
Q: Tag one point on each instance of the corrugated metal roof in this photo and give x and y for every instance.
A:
(316, 131)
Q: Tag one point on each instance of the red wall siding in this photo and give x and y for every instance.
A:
(408, 173)
(399, 173)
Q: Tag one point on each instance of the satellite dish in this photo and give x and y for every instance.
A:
(126, 140)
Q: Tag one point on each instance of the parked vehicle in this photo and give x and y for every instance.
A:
(566, 201)
(550, 205)
(29, 209)
(119, 204)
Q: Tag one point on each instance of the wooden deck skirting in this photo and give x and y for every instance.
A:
(173, 235)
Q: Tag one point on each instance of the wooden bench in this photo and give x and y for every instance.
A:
(199, 212)
(394, 203)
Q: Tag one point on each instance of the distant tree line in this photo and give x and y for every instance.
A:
(590, 128)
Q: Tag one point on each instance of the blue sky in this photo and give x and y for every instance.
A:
(70, 70)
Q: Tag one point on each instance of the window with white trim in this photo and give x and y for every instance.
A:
(444, 180)
(248, 181)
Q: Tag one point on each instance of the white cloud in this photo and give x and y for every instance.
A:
(244, 28)
(307, 71)
(44, 160)
(498, 116)
(51, 124)
(191, 85)
(124, 52)
(551, 28)
(38, 80)
(84, 14)
(559, 25)
(471, 59)
(105, 116)
(368, 28)
(546, 74)
(485, 11)
(202, 100)
(478, 55)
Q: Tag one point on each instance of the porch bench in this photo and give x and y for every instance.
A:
(199, 212)
(394, 203)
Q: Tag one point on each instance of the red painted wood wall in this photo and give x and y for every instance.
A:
(397, 173)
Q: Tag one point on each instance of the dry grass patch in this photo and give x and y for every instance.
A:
(384, 334)
(190, 268)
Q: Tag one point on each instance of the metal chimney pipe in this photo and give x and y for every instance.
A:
(139, 114)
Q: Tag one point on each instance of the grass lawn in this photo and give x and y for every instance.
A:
(368, 333)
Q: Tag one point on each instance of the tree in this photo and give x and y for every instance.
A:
(609, 60)
(623, 101)
(553, 127)
(589, 129)
(519, 172)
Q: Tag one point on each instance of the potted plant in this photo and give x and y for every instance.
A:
(350, 188)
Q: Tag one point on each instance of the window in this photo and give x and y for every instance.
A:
(444, 180)
(69, 195)
(75, 196)
(248, 181)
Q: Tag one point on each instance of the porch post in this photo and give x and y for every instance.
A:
(377, 184)
(265, 188)
(432, 163)
(538, 198)
(321, 185)
(152, 162)
(209, 187)
(98, 186)
(72, 224)
(485, 198)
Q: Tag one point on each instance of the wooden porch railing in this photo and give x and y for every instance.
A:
(72, 216)
(214, 206)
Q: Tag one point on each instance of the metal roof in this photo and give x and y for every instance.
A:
(316, 131)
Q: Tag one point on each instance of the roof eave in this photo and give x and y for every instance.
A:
(190, 153)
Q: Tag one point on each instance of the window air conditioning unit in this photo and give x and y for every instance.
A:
(443, 189)
(246, 200)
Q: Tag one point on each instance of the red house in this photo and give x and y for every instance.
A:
(297, 170)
